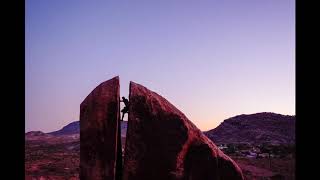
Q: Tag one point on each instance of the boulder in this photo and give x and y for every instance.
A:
(99, 124)
(163, 144)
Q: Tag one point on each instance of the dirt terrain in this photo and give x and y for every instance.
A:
(52, 159)
(259, 169)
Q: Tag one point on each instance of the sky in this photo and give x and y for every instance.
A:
(212, 59)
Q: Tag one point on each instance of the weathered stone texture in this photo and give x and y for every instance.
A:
(99, 118)
(162, 144)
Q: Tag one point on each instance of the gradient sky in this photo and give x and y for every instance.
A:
(211, 59)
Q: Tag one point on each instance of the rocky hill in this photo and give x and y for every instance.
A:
(255, 129)
(72, 128)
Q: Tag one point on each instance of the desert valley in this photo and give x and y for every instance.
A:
(262, 144)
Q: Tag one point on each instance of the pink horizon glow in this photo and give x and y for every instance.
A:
(211, 59)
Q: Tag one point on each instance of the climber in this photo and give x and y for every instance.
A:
(125, 108)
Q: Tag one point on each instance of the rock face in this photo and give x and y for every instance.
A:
(99, 120)
(163, 144)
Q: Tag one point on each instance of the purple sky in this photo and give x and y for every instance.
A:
(211, 59)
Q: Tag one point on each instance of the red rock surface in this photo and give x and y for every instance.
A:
(99, 116)
(163, 144)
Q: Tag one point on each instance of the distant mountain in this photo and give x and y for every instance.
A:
(255, 128)
(124, 126)
(74, 128)
(252, 128)
(36, 135)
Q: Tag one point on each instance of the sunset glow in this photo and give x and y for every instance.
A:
(211, 59)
